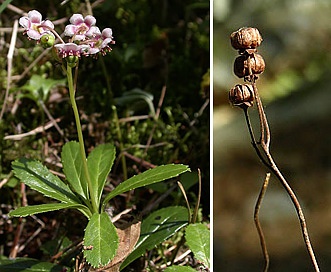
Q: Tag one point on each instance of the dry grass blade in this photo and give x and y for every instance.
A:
(186, 200)
(9, 65)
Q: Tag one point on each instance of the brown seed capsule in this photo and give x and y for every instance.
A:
(246, 38)
(244, 63)
(242, 95)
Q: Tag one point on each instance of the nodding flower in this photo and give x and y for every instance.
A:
(81, 28)
(34, 26)
(70, 49)
(100, 42)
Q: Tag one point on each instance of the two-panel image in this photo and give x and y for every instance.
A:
(163, 135)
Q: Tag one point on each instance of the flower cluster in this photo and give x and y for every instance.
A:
(85, 38)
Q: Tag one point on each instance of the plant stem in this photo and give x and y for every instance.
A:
(268, 160)
(80, 138)
(298, 209)
(258, 224)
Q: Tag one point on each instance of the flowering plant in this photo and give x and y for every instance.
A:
(85, 177)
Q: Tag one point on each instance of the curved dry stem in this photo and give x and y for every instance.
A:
(268, 160)
(298, 209)
(258, 224)
(253, 138)
(265, 131)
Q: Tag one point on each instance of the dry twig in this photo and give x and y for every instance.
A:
(35, 131)
(262, 149)
(258, 224)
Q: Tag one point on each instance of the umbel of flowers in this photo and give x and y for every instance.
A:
(85, 38)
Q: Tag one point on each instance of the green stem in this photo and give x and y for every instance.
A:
(81, 140)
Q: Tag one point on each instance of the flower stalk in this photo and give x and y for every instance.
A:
(72, 92)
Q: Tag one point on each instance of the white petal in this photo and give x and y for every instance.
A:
(76, 19)
(70, 30)
(48, 23)
(107, 33)
(24, 21)
(90, 20)
(33, 34)
(34, 16)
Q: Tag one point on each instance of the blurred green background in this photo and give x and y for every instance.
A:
(296, 96)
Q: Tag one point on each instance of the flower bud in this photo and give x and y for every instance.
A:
(244, 63)
(47, 40)
(246, 38)
(242, 96)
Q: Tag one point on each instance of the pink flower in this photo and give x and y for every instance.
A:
(101, 41)
(70, 49)
(81, 28)
(106, 37)
(34, 26)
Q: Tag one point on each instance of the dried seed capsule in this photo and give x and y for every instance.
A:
(242, 95)
(246, 38)
(243, 63)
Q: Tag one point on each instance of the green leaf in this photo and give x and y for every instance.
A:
(100, 162)
(177, 268)
(54, 246)
(198, 239)
(4, 5)
(39, 87)
(29, 265)
(101, 237)
(148, 177)
(189, 179)
(39, 178)
(73, 168)
(156, 228)
(134, 100)
(29, 210)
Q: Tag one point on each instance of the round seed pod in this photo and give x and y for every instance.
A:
(246, 38)
(47, 40)
(72, 61)
(242, 96)
(253, 61)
